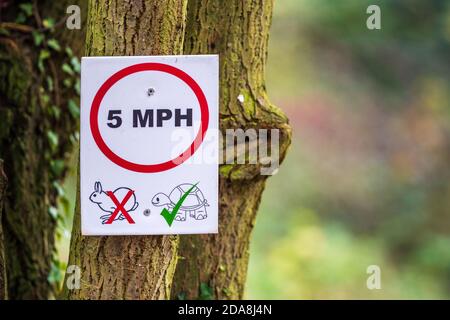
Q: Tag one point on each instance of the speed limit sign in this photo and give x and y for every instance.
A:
(149, 145)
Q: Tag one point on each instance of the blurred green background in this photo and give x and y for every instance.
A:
(366, 181)
(367, 178)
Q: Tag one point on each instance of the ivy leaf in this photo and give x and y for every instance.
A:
(27, 8)
(54, 44)
(55, 275)
(75, 64)
(65, 203)
(67, 69)
(69, 52)
(45, 98)
(57, 167)
(73, 108)
(206, 292)
(59, 189)
(77, 86)
(43, 54)
(53, 212)
(48, 23)
(56, 112)
(52, 139)
(21, 18)
(74, 138)
(67, 82)
(37, 37)
(49, 83)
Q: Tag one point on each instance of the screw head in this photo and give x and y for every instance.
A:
(150, 91)
(147, 212)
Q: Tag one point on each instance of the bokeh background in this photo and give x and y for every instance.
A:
(367, 178)
(366, 181)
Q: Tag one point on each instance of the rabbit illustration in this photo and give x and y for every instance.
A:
(106, 204)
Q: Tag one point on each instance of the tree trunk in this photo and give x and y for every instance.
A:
(36, 134)
(128, 267)
(3, 287)
(215, 266)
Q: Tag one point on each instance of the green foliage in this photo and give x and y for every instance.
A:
(54, 44)
(206, 292)
(67, 69)
(27, 8)
(367, 180)
(55, 276)
(53, 212)
(49, 81)
(76, 66)
(59, 189)
(57, 167)
(38, 38)
(181, 296)
(53, 139)
(74, 109)
(34, 82)
(48, 23)
(43, 55)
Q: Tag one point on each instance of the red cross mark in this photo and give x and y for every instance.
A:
(120, 207)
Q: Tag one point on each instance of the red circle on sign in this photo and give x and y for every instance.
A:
(163, 166)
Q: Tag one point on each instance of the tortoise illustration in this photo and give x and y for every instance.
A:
(194, 203)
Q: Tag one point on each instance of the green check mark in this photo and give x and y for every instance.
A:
(170, 216)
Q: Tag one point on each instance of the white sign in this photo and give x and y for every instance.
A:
(149, 145)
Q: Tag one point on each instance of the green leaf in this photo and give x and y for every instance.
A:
(45, 98)
(54, 44)
(27, 8)
(74, 138)
(21, 18)
(49, 83)
(48, 23)
(65, 203)
(77, 86)
(57, 167)
(69, 52)
(59, 189)
(55, 274)
(75, 64)
(73, 108)
(67, 69)
(52, 139)
(53, 212)
(67, 82)
(43, 54)
(37, 38)
(206, 292)
(56, 112)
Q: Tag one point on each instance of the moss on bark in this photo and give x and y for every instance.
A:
(138, 267)
(26, 108)
(238, 32)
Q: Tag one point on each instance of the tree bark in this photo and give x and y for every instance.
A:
(36, 133)
(215, 266)
(3, 287)
(128, 267)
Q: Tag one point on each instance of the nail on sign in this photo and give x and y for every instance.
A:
(149, 134)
